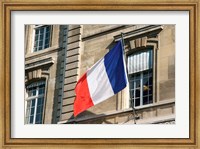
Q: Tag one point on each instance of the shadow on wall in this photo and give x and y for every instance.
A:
(88, 117)
(59, 76)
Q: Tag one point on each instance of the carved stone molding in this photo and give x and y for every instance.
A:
(39, 63)
(139, 42)
(149, 31)
(36, 74)
(37, 69)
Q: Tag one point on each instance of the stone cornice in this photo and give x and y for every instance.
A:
(39, 63)
(35, 55)
(104, 32)
(139, 32)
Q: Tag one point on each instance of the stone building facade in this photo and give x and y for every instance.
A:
(56, 56)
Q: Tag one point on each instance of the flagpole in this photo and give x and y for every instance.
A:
(130, 93)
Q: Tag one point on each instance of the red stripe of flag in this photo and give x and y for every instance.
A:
(83, 99)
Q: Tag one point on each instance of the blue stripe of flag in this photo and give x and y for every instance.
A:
(114, 65)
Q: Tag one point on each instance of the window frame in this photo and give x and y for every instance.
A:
(132, 99)
(44, 37)
(35, 97)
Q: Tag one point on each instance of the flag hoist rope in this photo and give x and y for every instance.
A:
(135, 116)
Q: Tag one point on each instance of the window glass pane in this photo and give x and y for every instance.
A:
(40, 101)
(38, 109)
(41, 91)
(40, 118)
(145, 74)
(42, 30)
(40, 43)
(131, 84)
(145, 100)
(42, 84)
(137, 93)
(145, 90)
(32, 110)
(137, 102)
(145, 81)
(47, 35)
(150, 80)
(47, 41)
(31, 120)
(34, 93)
(137, 76)
(40, 48)
(137, 83)
(150, 90)
(33, 103)
(150, 99)
(46, 46)
(37, 118)
(131, 77)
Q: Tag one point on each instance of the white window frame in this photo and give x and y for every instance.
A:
(141, 77)
(132, 99)
(44, 37)
(28, 99)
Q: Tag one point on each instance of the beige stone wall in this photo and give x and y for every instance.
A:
(166, 64)
(47, 64)
(72, 59)
(96, 42)
(86, 44)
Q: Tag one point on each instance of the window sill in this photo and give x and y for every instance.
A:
(154, 120)
(112, 113)
(169, 101)
(46, 51)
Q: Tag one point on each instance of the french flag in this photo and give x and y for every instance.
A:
(104, 79)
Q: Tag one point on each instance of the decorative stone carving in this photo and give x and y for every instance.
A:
(139, 42)
(34, 70)
(34, 74)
